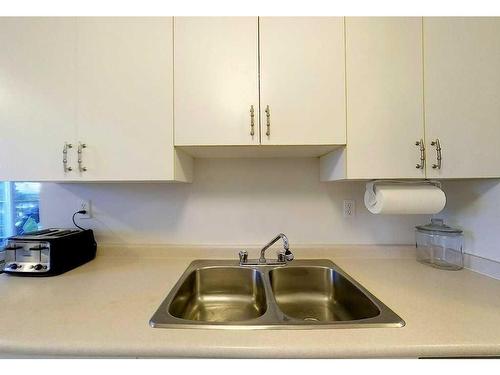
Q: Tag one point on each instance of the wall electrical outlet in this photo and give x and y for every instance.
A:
(349, 208)
(85, 205)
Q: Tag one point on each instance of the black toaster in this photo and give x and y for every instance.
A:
(49, 252)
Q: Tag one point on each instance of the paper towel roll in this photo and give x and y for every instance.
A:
(404, 199)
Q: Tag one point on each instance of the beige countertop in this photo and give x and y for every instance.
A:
(103, 309)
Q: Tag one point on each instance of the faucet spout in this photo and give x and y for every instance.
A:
(288, 253)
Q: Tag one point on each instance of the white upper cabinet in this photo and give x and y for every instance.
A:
(125, 98)
(216, 80)
(462, 96)
(37, 97)
(102, 85)
(96, 99)
(302, 80)
(384, 98)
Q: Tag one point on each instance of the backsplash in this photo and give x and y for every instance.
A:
(231, 201)
(474, 205)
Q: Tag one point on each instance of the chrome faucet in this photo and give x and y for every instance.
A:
(288, 254)
(284, 255)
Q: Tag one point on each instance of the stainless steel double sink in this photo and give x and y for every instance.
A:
(305, 294)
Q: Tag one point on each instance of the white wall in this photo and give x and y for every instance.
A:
(474, 205)
(231, 201)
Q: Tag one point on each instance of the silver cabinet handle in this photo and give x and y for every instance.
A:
(268, 121)
(437, 144)
(81, 146)
(65, 157)
(252, 121)
(421, 145)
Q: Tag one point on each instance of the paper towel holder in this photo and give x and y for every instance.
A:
(370, 186)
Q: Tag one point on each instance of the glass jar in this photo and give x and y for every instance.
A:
(439, 245)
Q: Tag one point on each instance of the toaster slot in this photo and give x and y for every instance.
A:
(41, 232)
(64, 232)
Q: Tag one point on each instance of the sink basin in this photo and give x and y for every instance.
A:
(303, 294)
(220, 294)
(319, 294)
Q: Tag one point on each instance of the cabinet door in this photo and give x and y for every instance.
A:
(384, 97)
(216, 80)
(302, 80)
(37, 97)
(125, 98)
(462, 95)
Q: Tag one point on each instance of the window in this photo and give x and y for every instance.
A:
(19, 208)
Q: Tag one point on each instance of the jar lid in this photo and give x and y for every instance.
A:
(438, 225)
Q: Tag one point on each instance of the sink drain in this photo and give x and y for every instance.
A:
(311, 319)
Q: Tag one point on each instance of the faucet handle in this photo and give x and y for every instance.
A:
(281, 256)
(243, 254)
